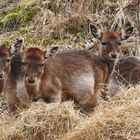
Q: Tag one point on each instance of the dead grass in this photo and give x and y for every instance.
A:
(40, 121)
(117, 119)
(57, 20)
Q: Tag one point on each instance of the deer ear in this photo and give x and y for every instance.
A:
(125, 34)
(50, 52)
(17, 46)
(96, 32)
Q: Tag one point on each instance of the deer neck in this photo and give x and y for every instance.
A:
(15, 70)
(110, 67)
(33, 91)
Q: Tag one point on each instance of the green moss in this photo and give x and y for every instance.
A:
(9, 17)
(33, 39)
(45, 42)
(11, 20)
(20, 16)
(24, 30)
(27, 16)
(27, 3)
(16, 19)
(7, 42)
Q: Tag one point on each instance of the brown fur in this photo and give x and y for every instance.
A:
(4, 66)
(76, 75)
(58, 77)
(16, 96)
(15, 87)
(35, 69)
(127, 72)
(16, 92)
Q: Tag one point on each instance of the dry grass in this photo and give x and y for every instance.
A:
(60, 20)
(117, 119)
(40, 121)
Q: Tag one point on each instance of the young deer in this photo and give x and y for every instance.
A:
(123, 71)
(15, 89)
(4, 65)
(72, 74)
(127, 72)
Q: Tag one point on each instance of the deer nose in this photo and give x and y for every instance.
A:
(1, 75)
(31, 80)
(113, 55)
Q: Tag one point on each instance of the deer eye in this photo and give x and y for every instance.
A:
(104, 43)
(8, 60)
(41, 65)
(46, 57)
(23, 63)
(119, 43)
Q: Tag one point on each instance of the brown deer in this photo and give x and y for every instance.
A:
(72, 74)
(127, 73)
(4, 65)
(15, 89)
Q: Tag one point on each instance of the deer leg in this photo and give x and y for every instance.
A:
(114, 88)
(22, 94)
(51, 94)
(13, 101)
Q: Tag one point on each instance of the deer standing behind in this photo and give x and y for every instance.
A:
(15, 89)
(73, 74)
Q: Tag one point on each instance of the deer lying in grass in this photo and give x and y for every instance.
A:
(73, 74)
(127, 73)
(15, 89)
(4, 65)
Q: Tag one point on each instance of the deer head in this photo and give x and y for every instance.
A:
(110, 40)
(34, 62)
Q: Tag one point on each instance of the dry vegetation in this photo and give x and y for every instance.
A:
(117, 119)
(65, 23)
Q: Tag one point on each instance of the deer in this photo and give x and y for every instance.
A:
(126, 73)
(74, 74)
(4, 65)
(15, 89)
